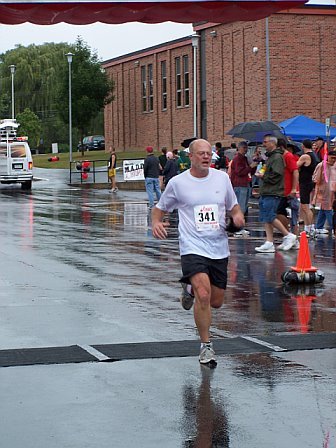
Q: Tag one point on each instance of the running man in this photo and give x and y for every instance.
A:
(203, 197)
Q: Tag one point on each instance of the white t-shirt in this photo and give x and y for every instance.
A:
(202, 204)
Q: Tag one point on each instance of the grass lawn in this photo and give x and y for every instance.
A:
(41, 160)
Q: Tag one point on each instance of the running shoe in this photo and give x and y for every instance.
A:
(207, 355)
(267, 247)
(288, 242)
(242, 233)
(322, 231)
(186, 299)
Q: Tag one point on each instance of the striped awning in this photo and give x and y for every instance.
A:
(82, 12)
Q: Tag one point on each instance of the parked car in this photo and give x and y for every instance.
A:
(93, 142)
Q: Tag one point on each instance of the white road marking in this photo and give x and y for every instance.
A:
(97, 354)
(275, 348)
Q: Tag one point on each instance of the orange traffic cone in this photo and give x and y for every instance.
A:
(303, 263)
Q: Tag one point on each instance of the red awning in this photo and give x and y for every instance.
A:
(46, 12)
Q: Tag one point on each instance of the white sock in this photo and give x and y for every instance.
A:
(307, 228)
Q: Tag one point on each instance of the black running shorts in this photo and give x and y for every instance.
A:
(216, 269)
(305, 192)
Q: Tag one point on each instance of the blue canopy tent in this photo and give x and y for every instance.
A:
(301, 127)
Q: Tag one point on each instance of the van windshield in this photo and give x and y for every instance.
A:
(18, 151)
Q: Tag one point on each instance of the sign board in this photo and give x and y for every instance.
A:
(133, 169)
(54, 148)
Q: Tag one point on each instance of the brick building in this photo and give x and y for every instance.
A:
(276, 67)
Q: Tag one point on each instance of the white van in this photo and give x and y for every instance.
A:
(16, 162)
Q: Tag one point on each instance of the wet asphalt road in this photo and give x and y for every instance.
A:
(81, 267)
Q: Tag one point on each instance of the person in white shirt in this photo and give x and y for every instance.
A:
(204, 197)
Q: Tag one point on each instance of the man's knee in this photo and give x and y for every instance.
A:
(217, 298)
(216, 303)
(203, 296)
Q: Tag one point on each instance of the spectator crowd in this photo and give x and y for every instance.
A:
(295, 182)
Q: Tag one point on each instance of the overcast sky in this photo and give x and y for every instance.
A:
(109, 40)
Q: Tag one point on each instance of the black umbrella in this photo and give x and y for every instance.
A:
(297, 146)
(255, 130)
(186, 142)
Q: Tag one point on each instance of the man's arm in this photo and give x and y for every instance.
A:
(295, 182)
(158, 227)
(303, 160)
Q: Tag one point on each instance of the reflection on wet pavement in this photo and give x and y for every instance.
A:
(204, 423)
(252, 402)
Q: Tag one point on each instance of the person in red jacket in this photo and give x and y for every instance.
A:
(241, 176)
(289, 200)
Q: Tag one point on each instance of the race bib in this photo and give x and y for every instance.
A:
(206, 217)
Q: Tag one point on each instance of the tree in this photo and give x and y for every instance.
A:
(5, 106)
(91, 89)
(35, 81)
(30, 125)
(37, 68)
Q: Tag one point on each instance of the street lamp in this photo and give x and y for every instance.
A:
(69, 57)
(12, 70)
(194, 43)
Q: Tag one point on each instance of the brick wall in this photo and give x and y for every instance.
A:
(126, 125)
(303, 55)
(302, 73)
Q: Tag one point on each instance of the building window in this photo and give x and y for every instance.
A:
(164, 84)
(182, 81)
(151, 89)
(147, 88)
(143, 89)
(178, 81)
(186, 80)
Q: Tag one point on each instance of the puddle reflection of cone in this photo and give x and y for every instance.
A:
(304, 308)
(303, 263)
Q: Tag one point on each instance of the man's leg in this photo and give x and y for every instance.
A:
(308, 216)
(150, 191)
(217, 297)
(294, 205)
(206, 296)
(279, 226)
(329, 217)
(241, 193)
(321, 219)
(269, 232)
(157, 189)
(202, 309)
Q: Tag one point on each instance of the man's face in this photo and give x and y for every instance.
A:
(200, 156)
(242, 149)
(268, 144)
